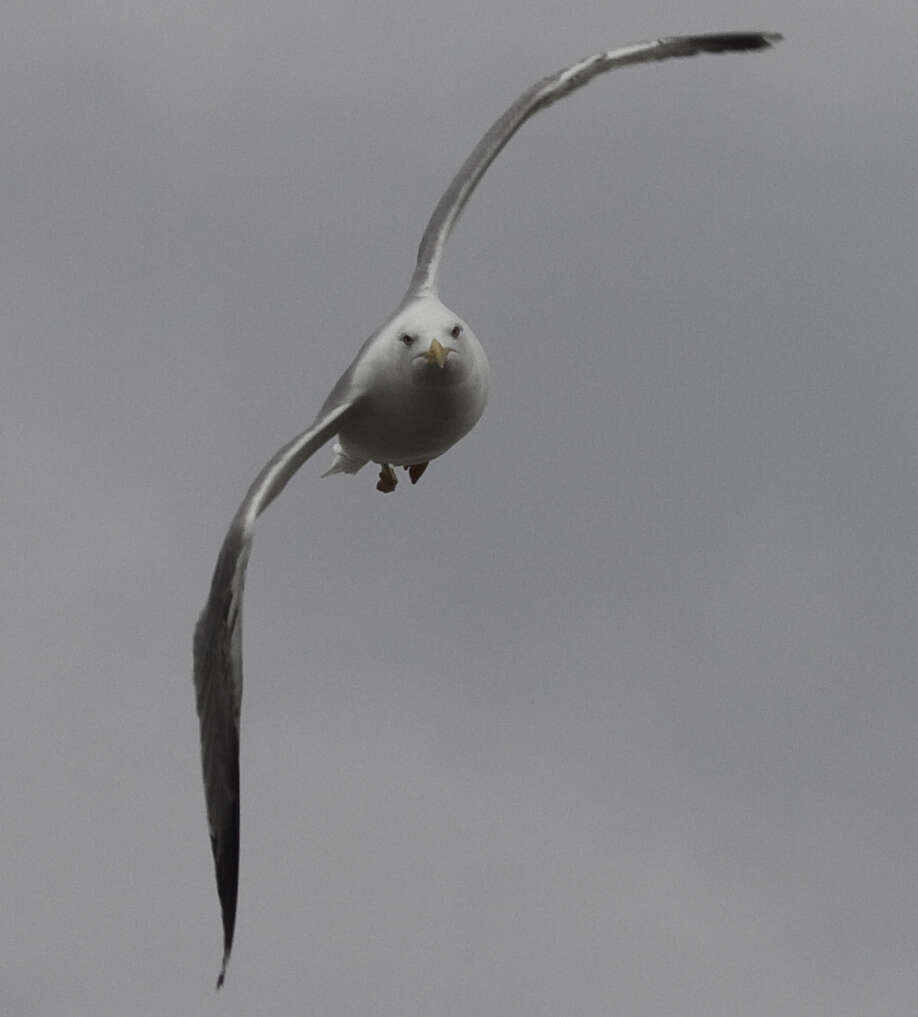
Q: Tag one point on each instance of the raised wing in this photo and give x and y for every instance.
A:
(218, 662)
(543, 93)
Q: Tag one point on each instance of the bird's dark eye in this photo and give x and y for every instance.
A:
(456, 331)
(406, 339)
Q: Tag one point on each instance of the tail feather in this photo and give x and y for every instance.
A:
(343, 463)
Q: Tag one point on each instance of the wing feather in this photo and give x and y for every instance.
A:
(543, 93)
(218, 662)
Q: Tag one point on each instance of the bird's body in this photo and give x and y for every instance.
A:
(407, 408)
(415, 388)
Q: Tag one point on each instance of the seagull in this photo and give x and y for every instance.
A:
(416, 386)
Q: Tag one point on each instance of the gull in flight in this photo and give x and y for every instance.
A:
(416, 386)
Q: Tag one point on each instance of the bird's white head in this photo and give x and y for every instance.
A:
(426, 345)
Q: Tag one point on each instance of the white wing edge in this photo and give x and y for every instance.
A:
(543, 93)
(218, 663)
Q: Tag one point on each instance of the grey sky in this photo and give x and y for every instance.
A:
(614, 712)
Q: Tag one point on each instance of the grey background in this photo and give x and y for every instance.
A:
(614, 712)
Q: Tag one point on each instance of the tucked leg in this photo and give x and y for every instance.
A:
(415, 471)
(387, 479)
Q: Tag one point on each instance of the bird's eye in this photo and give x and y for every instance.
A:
(456, 331)
(406, 339)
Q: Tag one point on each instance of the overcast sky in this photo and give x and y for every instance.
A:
(613, 713)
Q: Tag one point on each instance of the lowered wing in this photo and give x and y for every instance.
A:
(218, 661)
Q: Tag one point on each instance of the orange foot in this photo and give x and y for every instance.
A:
(387, 479)
(415, 472)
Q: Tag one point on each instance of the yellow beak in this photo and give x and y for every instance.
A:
(437, 354)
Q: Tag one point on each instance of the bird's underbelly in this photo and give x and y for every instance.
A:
(404, 431)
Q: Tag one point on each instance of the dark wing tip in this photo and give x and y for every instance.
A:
(222, 975)
(217, 705)
(727, 42)
(226, 863)
(227, 884)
